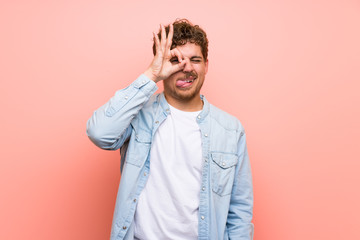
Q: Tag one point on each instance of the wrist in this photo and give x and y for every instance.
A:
(151, 75)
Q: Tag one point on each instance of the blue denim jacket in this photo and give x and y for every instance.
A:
(129, 121)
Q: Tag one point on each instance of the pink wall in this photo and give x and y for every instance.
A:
(289, 70)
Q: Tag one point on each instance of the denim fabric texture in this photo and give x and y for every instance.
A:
(129, 121)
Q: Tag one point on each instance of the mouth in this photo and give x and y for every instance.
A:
(187, 81)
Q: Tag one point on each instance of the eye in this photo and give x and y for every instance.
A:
(174, 60)
(196, 59)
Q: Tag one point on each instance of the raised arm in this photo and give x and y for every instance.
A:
(109, 126)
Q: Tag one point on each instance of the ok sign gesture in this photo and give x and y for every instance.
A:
(161, 67)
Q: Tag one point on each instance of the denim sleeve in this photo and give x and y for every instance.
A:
(109, 126)
(241, 203)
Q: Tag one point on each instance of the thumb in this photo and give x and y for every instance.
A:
(178, 67)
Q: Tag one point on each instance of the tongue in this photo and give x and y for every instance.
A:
(182, 83)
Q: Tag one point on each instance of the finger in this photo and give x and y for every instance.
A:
(163, 37)
(157, 41)
(170, 36)
(178, 67)
(176, 53)
(187, 65)
(187, 60)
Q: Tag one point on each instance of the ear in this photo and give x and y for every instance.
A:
(206, 66)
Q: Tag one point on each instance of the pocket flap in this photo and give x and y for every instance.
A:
(224, 160)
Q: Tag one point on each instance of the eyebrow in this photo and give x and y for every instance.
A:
(194, 57)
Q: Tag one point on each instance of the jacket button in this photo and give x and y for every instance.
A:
(202, 217)
(124, 227)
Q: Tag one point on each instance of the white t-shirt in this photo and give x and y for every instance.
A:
(169, 203)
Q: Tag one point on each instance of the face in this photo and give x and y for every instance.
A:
(185, 85)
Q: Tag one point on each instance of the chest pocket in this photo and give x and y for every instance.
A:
(223, 172)
(139, 147)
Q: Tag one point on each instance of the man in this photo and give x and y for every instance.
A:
(185, 167)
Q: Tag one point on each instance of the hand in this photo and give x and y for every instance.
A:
(161, 67)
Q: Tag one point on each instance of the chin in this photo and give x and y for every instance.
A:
(183, 94)
(186, 94)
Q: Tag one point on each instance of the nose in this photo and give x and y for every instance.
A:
(188, 66)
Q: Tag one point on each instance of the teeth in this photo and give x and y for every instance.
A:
(189, 81)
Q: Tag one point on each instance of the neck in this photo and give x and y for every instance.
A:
(190, 105)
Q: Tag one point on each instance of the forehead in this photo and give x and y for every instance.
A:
(190, 50)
